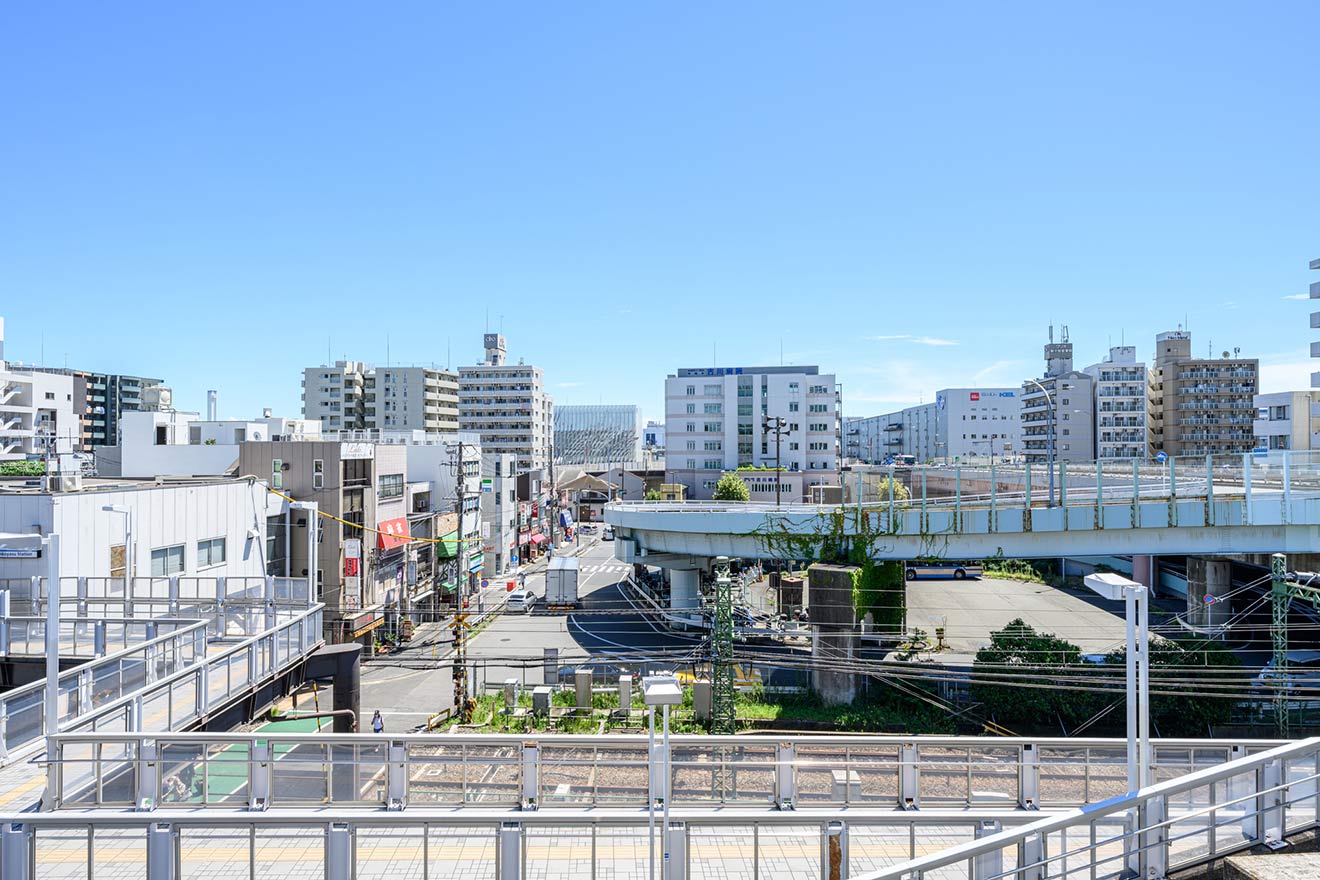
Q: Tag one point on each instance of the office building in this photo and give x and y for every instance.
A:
(598, 434)
(355, 396)
(961, 425)
(1202, 406)
(715, 421)
(653, 441)
(1287, 420)
(1122, 405)
(507, 407)
(36, 410)
(1058, 410)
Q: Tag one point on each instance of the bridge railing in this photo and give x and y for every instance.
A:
(162, 684)
(1207, 814)
(176, 596)
(104, 769)
(82, 637)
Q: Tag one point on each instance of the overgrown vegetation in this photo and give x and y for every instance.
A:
(22, 468)
(1013, 569)
(651, 495)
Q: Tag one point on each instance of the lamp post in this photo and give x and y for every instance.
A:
(1136, 600)
(659, 690)
(128, 544)
(1049, 407)
(778, 426)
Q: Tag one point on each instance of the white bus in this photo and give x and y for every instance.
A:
(958, 569)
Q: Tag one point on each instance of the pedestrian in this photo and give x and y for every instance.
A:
(377, 723)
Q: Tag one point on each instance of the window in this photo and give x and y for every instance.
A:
(691, 409)
(793, 406)
(818, 389)
(691, 389)
(167, 561)
(211, 552)
(318, 474)
(692, 464)
(691, 445)
(713, 390)
(714, 464)
(792, 447)
(818, 408)
(691, 427)
(793, 387)
(713, 427)
(50, 395)
(195, 435)
(713, 409)
(390, 486)
(714, 446)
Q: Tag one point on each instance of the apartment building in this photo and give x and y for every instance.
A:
(355, 396)
(499, 513)
(172, 442)
(36, 408)
(715, 420)
(1287, 420)
(1057, 410)
(1122, 405)
(598, 434)
(961, 425)
(1202, 406)
(507, 407)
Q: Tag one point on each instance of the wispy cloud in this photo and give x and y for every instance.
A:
(915, 340)
(1298, 296)
(1228, 304)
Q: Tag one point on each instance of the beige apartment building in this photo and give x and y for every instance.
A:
(1202, 405)
(354, 396)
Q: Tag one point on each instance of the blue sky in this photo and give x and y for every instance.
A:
(210, 194)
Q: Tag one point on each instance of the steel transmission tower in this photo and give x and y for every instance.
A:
(722, 692)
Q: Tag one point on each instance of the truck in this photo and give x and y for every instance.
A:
(561, 582)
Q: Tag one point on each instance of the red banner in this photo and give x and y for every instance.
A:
(394, 533)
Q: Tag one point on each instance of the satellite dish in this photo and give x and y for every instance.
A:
(1225, 354)
(256, 435)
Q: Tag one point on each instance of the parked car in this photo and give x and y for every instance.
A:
(520, 600)
(608, 534)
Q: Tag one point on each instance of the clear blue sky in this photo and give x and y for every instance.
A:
(210, 194)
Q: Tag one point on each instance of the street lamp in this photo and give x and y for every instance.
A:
(778, 426)
(1049, 407)
(128, 545)
(1136, 598)
(660, 690)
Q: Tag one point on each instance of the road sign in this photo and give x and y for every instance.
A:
(1161, 457)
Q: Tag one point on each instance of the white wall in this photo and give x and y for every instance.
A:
(162, 516)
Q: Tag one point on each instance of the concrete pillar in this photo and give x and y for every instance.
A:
(162, 852)
(1143, 571)
(582, 689)
(834, 639)
(702, 700)
(1212, 578)
(509, 843)
(338, 851)
(684, 588)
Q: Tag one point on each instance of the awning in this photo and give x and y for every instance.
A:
(394, 533)
(537, 539)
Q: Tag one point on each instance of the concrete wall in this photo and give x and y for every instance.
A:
(834, 634)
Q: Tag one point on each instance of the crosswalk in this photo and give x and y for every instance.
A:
(618, 568)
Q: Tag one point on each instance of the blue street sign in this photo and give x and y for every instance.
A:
(1161, 457)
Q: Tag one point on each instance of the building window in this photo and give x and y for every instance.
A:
(714, 389)
(793, 406)
(166, 561)
(713, 464)
(691, 390)
(713, 409)
(318, 474)
(211, 552)
(691, 409)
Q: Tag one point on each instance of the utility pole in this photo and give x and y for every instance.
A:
(1285, 587)
(722, 691)
(778, 426)
(462, 703)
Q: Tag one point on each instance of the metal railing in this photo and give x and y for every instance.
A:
(81, 637)
(232, 770)
(162, 684)
(1260, 799)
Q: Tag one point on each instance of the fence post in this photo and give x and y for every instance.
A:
(1269, 804)
(785, 775)
(909, 798)
(82, 597)
(508, 854)
(259, 776)
(148, 777)
(174, 595)
(1154, 837)
(269, 601)
(15, 851)
(203, 689)
(834, 852)
(396, 783)
(98, 639)
(991, 864)
(162, 852)
(676, 868)
(531, 775)
(1031, 855)
(338, 851)
(1029, 778)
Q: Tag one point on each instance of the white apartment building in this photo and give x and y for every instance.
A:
(499, 513)
(174, 443)
(506, 405)
(715, 421)
(35, 407)
(355, 396)
(962, 425)
(1060, 405)
(1122, 405)
(1287, 420)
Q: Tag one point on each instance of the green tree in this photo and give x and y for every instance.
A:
(1018, 648)
(651, 495)
(1174, 665)
(22, 468)
(877, 488)
(731, 488)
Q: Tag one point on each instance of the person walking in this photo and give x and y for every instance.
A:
(377, 723)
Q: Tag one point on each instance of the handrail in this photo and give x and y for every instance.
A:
(1132, 803)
